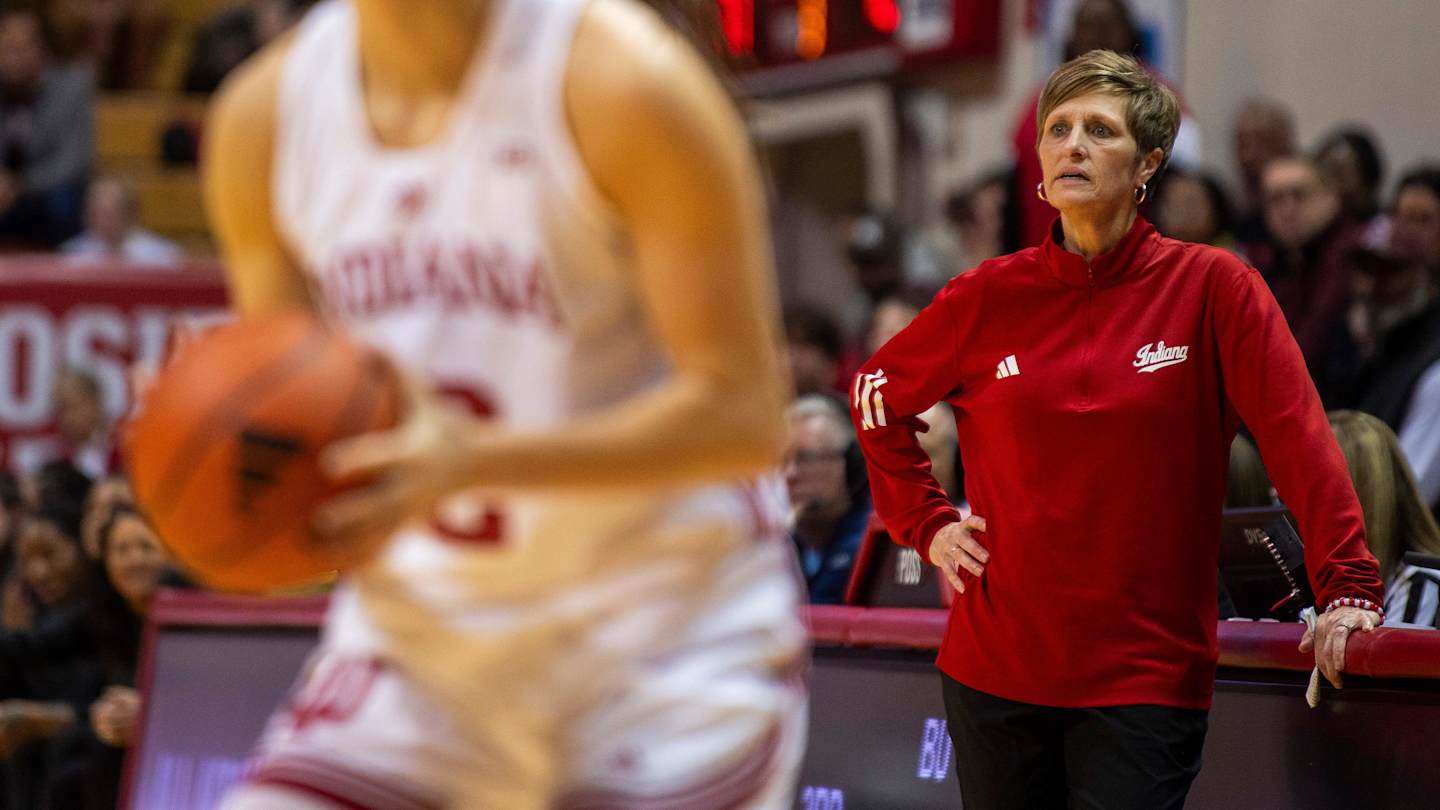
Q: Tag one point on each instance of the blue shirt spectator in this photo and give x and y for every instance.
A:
(830, 504)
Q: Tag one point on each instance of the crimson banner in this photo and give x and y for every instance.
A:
(102, 320)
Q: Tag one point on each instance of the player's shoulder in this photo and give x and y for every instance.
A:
(625, 53)
(635, 83)
(246, 101)
(620, 23)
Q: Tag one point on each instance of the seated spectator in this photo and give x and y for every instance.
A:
(1415, 234)
(133, 566)
(983, 220)
(829, 499)
(46, 137)
(233, 35)
(1192, 207)
(116, 41)
(1400, 383)
(875, 246)
(57, 482)
(1349, 156)
(1247, 485)
(103, 499)
(1396, 520)
(112, 230)
(42, 698)
(893, 313)
(58, 485)
(1264, 131)
(1307, 261)
(84, 425)
(814, 351)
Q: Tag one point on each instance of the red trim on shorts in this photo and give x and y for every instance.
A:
(310, 791)
(725, 791)
(324, 777)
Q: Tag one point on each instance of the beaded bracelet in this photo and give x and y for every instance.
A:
(1363, 604)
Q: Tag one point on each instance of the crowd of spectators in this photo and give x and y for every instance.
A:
(80, 566)
(55, 57)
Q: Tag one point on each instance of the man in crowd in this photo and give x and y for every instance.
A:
(46, 137)
(113, 232)
(830, 508)
(84, 426)
(1264, 131)
(814, 350)
(1306, 260)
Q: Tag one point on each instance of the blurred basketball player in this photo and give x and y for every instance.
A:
(545, 210)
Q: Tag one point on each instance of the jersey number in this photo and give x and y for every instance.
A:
(484, 523)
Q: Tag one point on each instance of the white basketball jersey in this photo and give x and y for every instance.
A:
(488, 263)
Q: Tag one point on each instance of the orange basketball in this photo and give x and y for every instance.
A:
(222, 451)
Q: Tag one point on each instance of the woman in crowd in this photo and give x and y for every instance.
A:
(1353, 161)
(102, 640)
(43, 697)
(1193, 208)
(1396, 519)
(1098, 381)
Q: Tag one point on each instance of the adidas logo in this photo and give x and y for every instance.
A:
(1007, 368)
(1148, 359)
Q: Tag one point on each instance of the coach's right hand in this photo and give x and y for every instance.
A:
(955, 547)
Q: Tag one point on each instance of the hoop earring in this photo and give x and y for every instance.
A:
(1141, 193)
(1040, 191)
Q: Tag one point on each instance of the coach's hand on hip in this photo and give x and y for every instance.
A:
(955, 547)
(1332, 629)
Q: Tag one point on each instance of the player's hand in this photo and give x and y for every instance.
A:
(395, 475)
(955, 548)
(1332, 630)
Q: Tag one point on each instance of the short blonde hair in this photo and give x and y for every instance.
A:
(1152, 114)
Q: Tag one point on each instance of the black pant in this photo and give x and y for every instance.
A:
(1019, 756)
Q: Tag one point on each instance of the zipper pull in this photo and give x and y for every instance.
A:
(1090, 274)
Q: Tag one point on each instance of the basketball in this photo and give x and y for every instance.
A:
(223, 447)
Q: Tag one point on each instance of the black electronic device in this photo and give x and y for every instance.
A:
(1262, 564)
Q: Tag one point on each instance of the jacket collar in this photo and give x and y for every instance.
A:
(1127, 257)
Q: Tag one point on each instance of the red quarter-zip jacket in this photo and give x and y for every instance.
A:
(1095, 403)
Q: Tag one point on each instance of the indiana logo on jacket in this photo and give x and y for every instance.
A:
(1148, 359)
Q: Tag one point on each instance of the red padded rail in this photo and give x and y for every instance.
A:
(1385, 653)
(174, 608)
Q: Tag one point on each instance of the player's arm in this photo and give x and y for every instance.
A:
(239, 147)
(662, 140)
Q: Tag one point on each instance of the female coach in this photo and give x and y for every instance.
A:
(1098, 380)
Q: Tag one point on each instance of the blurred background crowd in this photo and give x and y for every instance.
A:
(1308, 147)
